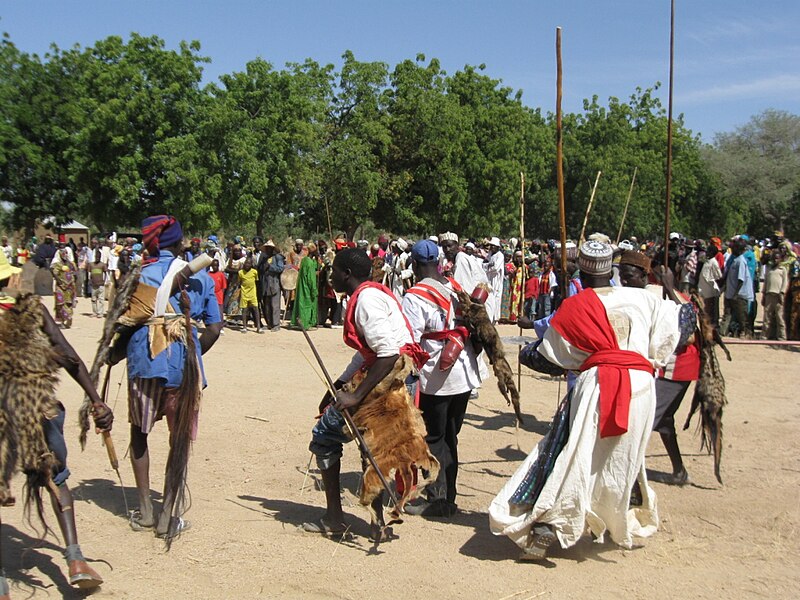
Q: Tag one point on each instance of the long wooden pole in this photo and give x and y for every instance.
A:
(521, 307)
(589, 208)
(627, 202)
(560, 171)
(669, 133)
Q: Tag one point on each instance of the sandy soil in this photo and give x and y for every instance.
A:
(249, 495)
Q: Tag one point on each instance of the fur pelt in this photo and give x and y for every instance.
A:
(482, 330)
(104, 346)
(709, 392)
(28, 379)
(394, 431)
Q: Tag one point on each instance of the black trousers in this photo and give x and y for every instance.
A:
(443, 416)
(272, 310)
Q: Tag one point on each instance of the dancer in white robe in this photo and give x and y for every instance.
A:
(592, 477)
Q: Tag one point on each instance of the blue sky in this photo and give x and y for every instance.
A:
(734, 58)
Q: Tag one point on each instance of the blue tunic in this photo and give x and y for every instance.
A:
(168, 365)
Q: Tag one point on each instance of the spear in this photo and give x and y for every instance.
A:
(560, 171)
(669, 132)
(521, 306)
(589, 208)
(627, 202)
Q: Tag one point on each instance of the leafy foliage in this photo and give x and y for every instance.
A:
(123, 129)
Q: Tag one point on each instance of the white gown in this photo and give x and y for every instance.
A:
(592, 478)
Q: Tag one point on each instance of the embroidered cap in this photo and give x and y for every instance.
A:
(448, 236)
(595, 258)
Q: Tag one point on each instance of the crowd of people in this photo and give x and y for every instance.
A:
(262, 284)
(624, 328)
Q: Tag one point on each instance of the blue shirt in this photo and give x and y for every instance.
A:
(738, 270)
(168, 365)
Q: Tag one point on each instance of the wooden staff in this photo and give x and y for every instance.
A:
(328, 212)
(521, 309)
(669, 132)
(560, 171)
(589, 208)
(627, 202)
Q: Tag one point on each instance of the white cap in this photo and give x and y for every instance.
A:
(448, 236)
(495, 241)
(402, 244)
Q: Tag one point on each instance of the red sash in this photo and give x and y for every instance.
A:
(357, 342)
(582, 321)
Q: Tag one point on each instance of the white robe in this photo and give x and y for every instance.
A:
(495, 270)
(592, 478)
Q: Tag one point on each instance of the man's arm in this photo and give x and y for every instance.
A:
(66, 357)
(380, 369)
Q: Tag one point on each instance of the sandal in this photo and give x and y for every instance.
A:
(542, 537)
(135, 521)
(321, 527)
(180, 526)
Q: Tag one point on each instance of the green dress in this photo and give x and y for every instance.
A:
(305, 302)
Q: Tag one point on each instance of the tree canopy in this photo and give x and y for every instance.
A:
(122, 129)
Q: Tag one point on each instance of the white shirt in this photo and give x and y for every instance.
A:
(425, 317)
(380, 322)
(707, 282)
(468, 273)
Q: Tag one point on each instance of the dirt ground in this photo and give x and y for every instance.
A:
(250, 494)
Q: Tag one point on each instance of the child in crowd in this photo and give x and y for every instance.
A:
(220, 284)
(248, 301)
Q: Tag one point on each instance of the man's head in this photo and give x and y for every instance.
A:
(493, 245)
(268, 247)
(594, 262)
(424, 259)
(633, 269)
(214, 265)
(738, 246)
(4, 241)
(195, 245)
(383, 241)
(322, 246)
(351, 268)
(298, 245)
(162, 232)
(449, 243)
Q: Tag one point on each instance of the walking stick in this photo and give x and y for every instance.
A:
(589, 208)
(627, 202)
(109, 444)
(365, 451)
(560, 172)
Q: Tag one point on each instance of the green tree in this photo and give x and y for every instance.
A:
(267, 126)
(759, 167)
(426, 189)
(136, 151)
(355, 149)
(38, 117)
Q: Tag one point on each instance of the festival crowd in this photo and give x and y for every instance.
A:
(620, 324)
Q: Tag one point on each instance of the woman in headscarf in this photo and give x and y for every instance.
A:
(304, 309)
(66, 293)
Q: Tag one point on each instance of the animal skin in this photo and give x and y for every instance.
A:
(482, 330)
(394, 431)
(28, 379)
(709, 392)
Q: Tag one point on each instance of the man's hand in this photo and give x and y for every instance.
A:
(346, 400)
(103, 417)
(524, 323)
